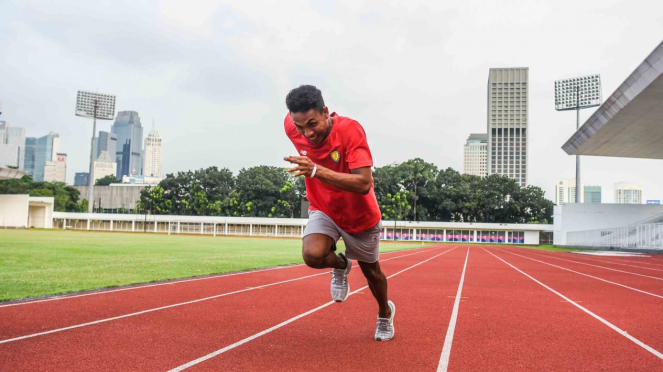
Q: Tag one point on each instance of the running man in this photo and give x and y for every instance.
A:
(336, 161)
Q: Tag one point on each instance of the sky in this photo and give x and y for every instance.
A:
(213, 75)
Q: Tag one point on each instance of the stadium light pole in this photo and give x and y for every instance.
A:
(576, 94)
(95, 106)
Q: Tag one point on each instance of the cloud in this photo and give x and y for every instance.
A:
(214, 74)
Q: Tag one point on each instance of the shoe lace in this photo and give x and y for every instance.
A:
(383, 325)
(339, 278)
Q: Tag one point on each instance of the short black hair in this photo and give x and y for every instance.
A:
(304, 98)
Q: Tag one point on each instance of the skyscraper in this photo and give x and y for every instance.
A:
(508, 120)
(565, 191)
(104, 166)
(152, 165)
(129, 154)
(628, 193)
(81, 178)
(592, 194)
(56, 169)
(106, 142)
(30, 161)
(47, 150)
(475, 155)
(12, 145)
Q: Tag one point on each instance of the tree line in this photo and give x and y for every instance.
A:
(414, 190)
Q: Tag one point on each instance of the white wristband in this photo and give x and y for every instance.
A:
(315, 168)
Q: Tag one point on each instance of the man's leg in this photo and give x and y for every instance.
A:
(317, 252)
(377, 282)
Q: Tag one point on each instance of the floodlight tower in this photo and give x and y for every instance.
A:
(95, 106)
(575, 94)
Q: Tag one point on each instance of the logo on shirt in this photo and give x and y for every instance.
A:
(336, 156)
(303, 152)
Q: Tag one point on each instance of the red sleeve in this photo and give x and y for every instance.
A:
(289, 127)
(357, 153)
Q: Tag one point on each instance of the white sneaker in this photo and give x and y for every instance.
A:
(340, 288)
(385, 328)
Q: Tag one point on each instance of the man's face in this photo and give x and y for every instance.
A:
(312, 124)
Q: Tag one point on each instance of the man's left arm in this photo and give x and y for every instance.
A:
(359, 180)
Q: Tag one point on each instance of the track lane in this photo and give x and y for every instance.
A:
(626, 278)
(616, 261)
(633, 312)
(159, 340)
(341, 336)
(637, 269)
(508, 322)
(50, 316)
(573, 259)
(623, 280)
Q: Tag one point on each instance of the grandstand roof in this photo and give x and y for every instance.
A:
(630, 122)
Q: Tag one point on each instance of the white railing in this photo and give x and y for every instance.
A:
(294, 227)
(643, 236)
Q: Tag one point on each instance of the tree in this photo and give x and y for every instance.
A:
(107, 180)
(417, 173)
(153, 200)
(264, 186)
(395, 206)
(201, 192)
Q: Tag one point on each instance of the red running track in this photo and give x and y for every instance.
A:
(518, 309)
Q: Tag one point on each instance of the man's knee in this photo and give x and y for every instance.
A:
(313, 260)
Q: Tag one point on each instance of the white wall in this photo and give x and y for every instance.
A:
(581, 217)
(532, 237)
(37, 216)
(14, 210)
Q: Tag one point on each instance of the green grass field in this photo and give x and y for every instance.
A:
(37, 263)
(43, 262)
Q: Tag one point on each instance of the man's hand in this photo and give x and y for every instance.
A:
(304, 165)
(359, 180)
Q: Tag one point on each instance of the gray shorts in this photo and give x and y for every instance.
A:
(363, 246)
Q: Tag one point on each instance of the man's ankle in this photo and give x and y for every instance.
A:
(347, 262)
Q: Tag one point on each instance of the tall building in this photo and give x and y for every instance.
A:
(106, 142)
(508, 119)
(152, 165)
(475, 155)
(104, 166)
(129, 154)
(592, 194)
(628, 193)
(30, 161)
(565, 191)
(56, 169)
(81, 179)
(12, 145)
(47, 150)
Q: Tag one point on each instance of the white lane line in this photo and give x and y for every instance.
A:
(584, 257)
(630, 259)
(587, 275)
(602, 267)
(657, 353)
(133, 287)
(448, 339)
(621, 259)
(271, 329)
(174, 305)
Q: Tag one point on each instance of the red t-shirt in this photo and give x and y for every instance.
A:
(345, 148)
